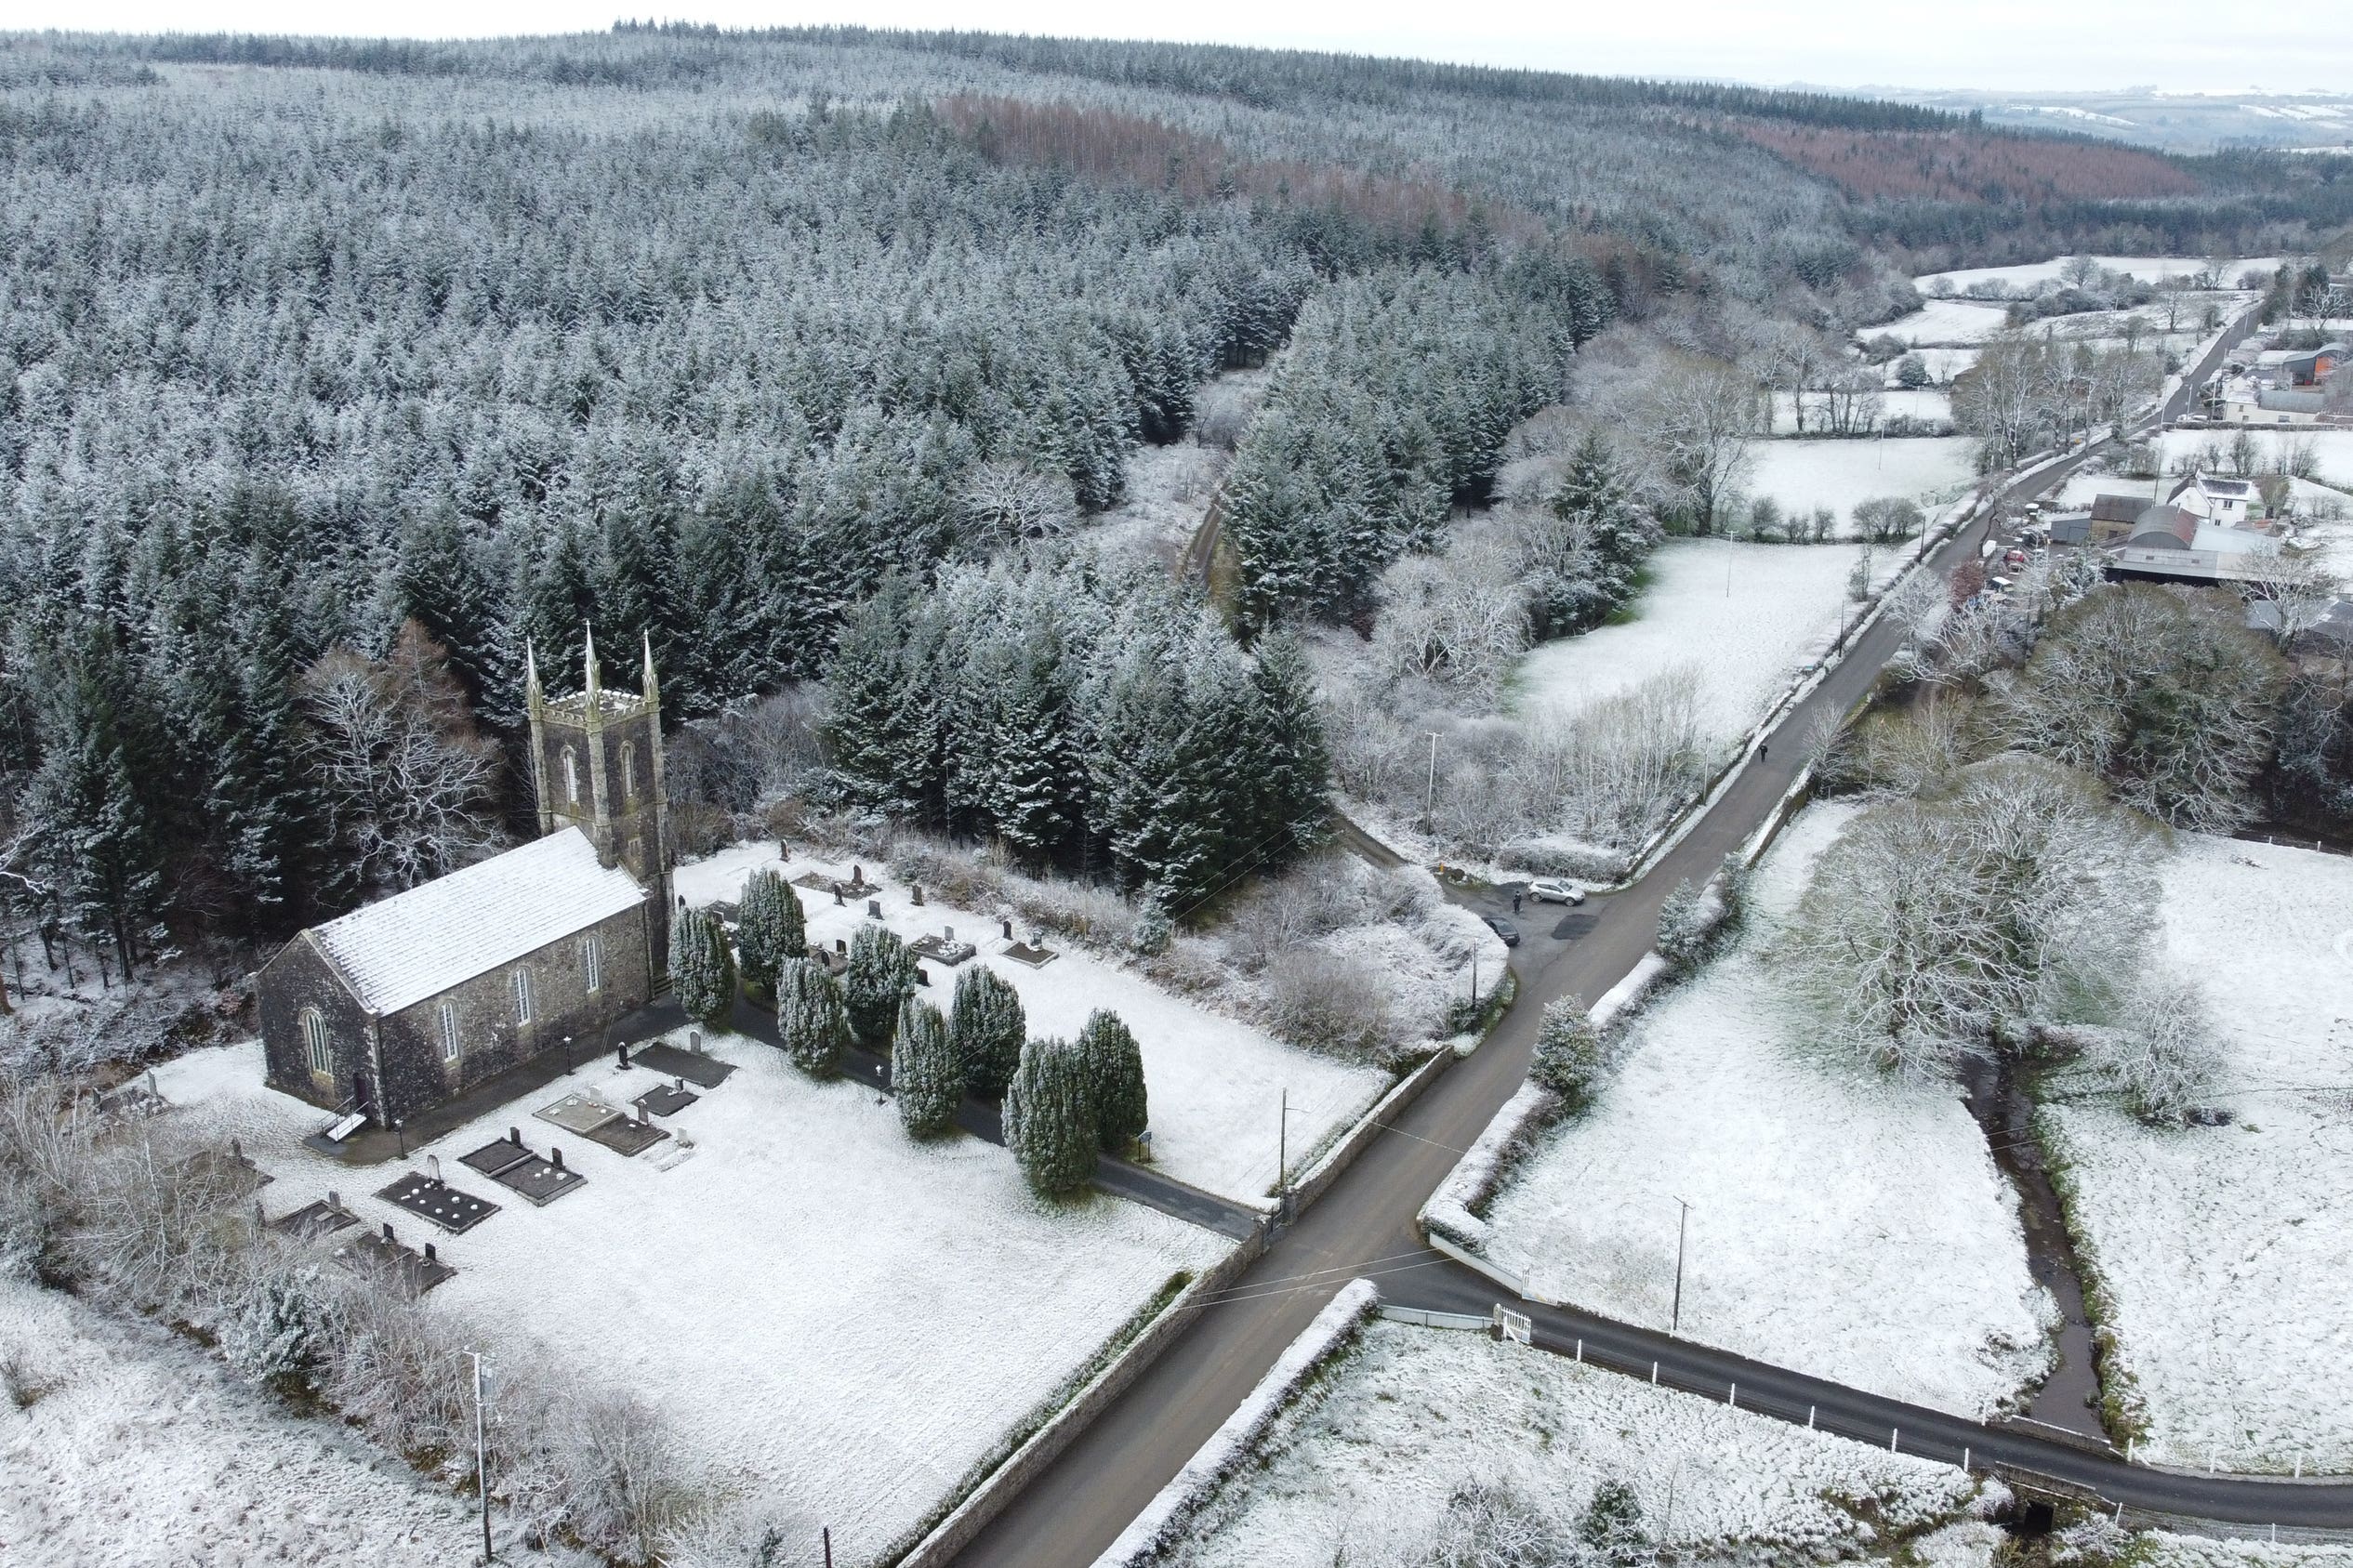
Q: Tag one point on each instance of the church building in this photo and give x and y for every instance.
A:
(412, 1000)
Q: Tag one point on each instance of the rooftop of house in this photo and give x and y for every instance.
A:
(401, 950)
(2216, 486)
(2118, 509)
(2284, 400)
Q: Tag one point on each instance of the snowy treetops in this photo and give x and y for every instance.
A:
(2014, 890)
(1076, 714)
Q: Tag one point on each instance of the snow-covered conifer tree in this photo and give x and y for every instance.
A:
(1569, 1058)
(1049, 1120)
(702, 967)
(810, 1020)
(880, 976)
(986, 1028)
(1115, 1080)
(769, 929)
(923, 1071)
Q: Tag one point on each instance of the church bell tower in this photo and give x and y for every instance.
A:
(596, 764)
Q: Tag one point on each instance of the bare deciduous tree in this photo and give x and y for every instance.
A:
(408, 780)
(2014, 890)
(1695, 429)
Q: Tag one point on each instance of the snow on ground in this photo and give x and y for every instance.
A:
(1744, 617)
(140, 1451)
(1895, 402)
(1945, 321)
(1841, 1223)
(1837, 474)
(1167, 493)
(1360, 1471)
(1216, 1084)
(2332, 448)
(837, 1321)
(2224, 1251)
(2148, 269)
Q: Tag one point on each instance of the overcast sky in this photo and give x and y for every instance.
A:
(2033, 45)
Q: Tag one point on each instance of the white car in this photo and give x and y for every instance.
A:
(1546, 890)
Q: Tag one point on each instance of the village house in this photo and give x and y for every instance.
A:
(2248, 403)
(2227, 501)
(402, 1004)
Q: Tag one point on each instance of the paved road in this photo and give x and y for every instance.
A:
(1364, 1225)
(1867, 1418)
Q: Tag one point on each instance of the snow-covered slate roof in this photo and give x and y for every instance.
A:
(396, 953)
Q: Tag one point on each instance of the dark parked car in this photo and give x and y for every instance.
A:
(1503, 928)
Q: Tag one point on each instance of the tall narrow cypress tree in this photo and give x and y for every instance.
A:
(769, 928)
(986, 1027)
(1115, 1080)
(1049, 1120)
(880, 976)
(811, 1020)
(923, 1071)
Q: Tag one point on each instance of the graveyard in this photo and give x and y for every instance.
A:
(835, 1322)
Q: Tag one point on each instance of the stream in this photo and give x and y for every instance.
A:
(2069, 1397)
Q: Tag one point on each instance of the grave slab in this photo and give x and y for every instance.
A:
(667, 1100)
(625, 1137)
(578, 1114)
(694, 1066)
(455, 1211)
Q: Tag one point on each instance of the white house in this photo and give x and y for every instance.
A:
(2211, 498)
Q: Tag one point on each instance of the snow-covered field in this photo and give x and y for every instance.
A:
(1744, 617)
(1944, 321)
(142, 1452)
(1921, 403)
(837, 1321)
(1360, 1471)
(1216, 1084)
(2332, 448)
(2225, 1251)
(1837, 474)
(2148, 269)
(1843, 1223)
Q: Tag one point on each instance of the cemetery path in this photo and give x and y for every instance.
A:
(1363, 1226)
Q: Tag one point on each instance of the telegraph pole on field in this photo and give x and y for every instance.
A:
(1430, 790)
(482, 1455)
(1683, 1226)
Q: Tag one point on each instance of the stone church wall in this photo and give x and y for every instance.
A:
(300, 978)
(491, 1041)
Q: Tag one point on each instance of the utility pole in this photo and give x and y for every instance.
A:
(1683, 1225)
(827, 1534)
(1282, 1159)
(482, 1455)
(1430, 790)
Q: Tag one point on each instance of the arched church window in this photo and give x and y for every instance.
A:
(629, 773)
(570, 777)
(315, 1045)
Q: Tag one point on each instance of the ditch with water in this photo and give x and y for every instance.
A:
(2069, 1397)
